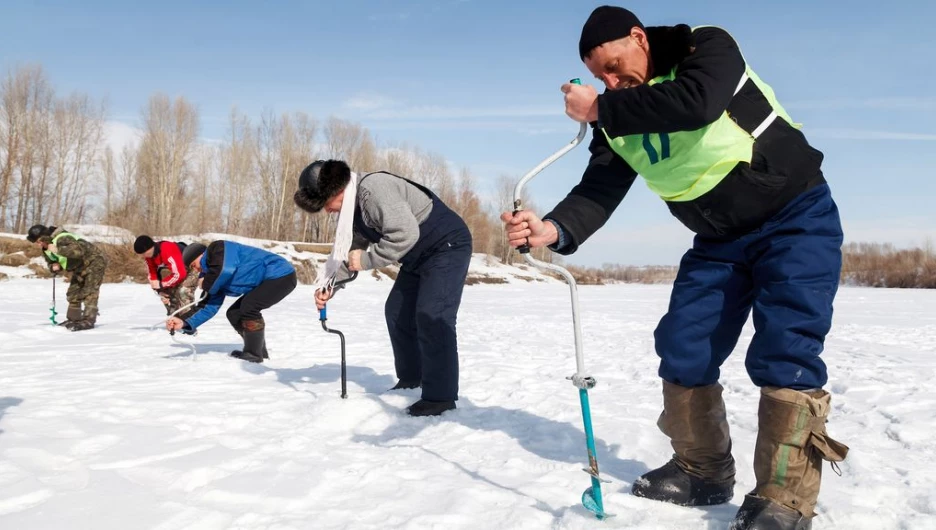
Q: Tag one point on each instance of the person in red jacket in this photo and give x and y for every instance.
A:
(168, 271)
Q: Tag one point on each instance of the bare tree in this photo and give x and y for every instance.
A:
(285, 147)
(352, 143)
(26, 103)
(468, 206)
(397, 160)
(49, 149)
(169, 139)
(203, 203)
(109, 170)
(77, 126)
(237, 163)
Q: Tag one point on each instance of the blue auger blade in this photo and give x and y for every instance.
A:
(592, 502)
(591, 498)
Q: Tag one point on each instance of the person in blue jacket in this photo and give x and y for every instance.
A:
(260, 278)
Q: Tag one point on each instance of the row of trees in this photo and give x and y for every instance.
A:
(56, 167)
(864, 264)
(883, 265)
(48, 147)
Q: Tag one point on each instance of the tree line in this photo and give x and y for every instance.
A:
(56, 167)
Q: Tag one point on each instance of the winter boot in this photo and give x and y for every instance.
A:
(253, 342)
(88, 318)
(406, 385)
(80, 325)
(791, 444)
(240, 331)
(429, 408)
(73, 314)
(758, 513)
(702, 470)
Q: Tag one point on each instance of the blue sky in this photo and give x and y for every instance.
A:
(478, 82)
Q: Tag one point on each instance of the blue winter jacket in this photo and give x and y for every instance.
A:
(232, 269)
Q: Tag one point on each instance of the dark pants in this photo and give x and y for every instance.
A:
(267, 294)
(421, 312)
(787, 272)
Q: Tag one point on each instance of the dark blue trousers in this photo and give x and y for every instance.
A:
(421, 312)
(786, 273)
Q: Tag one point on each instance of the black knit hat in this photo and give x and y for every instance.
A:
(142, 244)
(192, 252)
(605, 24)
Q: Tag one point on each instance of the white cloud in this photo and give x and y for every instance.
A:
(369, 102)
(432, 112)
(518, 127)
(118, 134)
(376, 106)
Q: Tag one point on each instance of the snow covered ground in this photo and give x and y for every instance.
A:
(120, 427)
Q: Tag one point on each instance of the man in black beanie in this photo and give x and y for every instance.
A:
(683, 110)
(169, 272)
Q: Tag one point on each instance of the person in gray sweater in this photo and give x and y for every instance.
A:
(400, 221)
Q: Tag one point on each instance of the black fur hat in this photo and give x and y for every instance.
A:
(37, 232)
(319, 182)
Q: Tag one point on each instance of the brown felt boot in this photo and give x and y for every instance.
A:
(240, 331)
(253, 342)
(73, 314)
(702, 470)
(88, 318)
(791, 444)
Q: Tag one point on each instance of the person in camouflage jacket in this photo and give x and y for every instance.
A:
(68, 252)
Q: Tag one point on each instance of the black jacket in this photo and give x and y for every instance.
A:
(708, 68)
(215, 266)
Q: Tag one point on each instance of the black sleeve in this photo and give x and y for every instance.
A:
(704, 84)
(215, 265)
(590, 204)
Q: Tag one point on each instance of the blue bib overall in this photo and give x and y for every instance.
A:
(422, 306)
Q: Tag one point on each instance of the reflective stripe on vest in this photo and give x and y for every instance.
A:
(61, 260)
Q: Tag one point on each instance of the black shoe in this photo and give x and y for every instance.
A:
(246, 356)
(79, 325)
(758, 513)
(406, 385)
(671, 484)
(429, 408)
